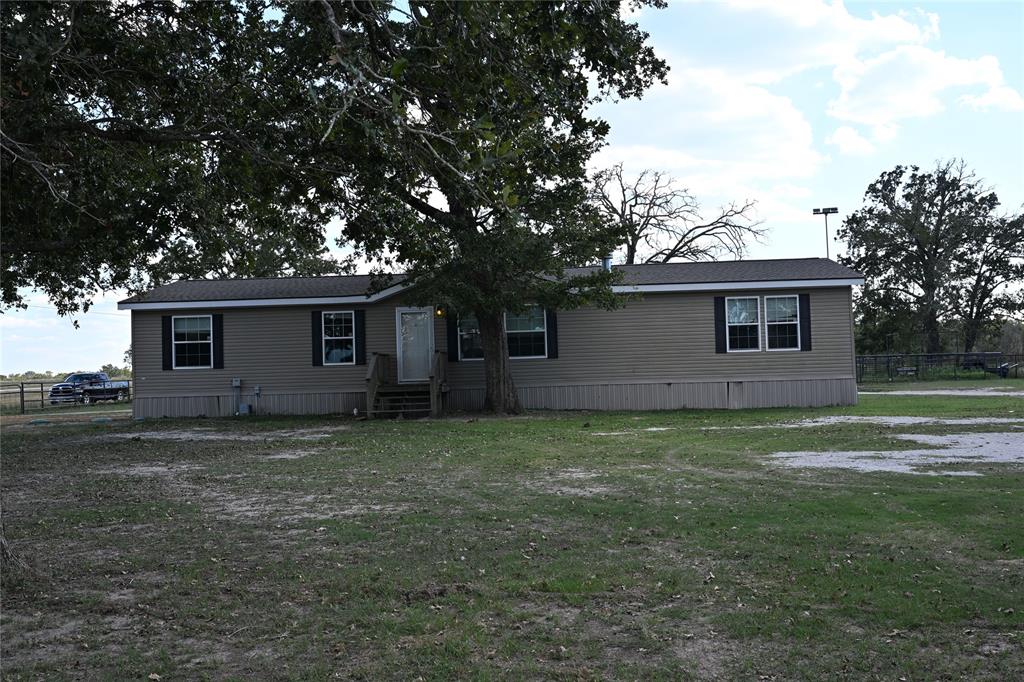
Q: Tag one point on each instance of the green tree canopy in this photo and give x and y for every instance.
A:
(935, 251)
(144, 141)
(464, 131)
(151, 140)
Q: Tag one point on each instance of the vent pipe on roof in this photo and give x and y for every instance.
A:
(606, 263)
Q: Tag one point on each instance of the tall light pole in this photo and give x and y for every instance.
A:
(825, 212)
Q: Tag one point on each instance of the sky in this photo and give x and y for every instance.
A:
(795, 104)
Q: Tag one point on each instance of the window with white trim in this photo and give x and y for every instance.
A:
(526, 332)
(742, 324)
(782, 322)
(192, 340)
(339, 332)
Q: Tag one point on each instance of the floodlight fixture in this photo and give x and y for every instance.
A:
(826, 212)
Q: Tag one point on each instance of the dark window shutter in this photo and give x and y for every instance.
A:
(360, 332)
(719, 324)
(805, 322)
(318, 338)
(218, 341)
(552, 325)
(453, 337)
(168, 346)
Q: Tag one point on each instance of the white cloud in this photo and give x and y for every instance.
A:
(850, 142)
(882, 63)
(884, 132)
(910, 81)
(732, 132)
(999, 97)
(796, 35)
(10, 321)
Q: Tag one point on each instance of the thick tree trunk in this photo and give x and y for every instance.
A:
(932, 337)
(500, 394)
(631, 247)
(971, 334)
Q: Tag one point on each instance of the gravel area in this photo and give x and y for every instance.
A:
(963, 451)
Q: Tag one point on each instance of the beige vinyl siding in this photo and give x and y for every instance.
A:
(671, 338)
(657, 352)
(271, 347)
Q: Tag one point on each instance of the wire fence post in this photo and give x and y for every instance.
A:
(21, 396)
(42, 403)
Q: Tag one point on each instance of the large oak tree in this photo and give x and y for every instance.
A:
(464, 129)
(143, 141)
(936, 252)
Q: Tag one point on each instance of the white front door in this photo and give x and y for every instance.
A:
(415, 327)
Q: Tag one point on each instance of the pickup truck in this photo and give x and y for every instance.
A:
(87, 387)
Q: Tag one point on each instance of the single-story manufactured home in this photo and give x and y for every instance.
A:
(737, 334)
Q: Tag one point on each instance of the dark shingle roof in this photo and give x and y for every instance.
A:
(355, 285)
(709, 272)
(265, 287)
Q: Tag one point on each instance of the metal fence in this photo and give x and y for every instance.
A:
(936, 366)
(34, 396)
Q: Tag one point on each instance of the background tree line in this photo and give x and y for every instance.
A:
(114, 371)
(943, 264)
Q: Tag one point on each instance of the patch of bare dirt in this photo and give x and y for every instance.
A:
(706, 654)
(634, 432)
(570, 482)
(28, 641)
(957, 450)
(211, 434)
(996, 645)
(149, 469)
(334, 511)
(880, 420)
(252, 506)
(292, 454)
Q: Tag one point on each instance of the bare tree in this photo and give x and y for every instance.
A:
(663, 222)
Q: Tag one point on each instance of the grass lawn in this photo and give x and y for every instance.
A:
(988, 384)
(564, 545)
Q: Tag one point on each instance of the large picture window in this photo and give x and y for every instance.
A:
(742, 324)
(782, 322)
(193, 341)
(339, 338)
(526, 332)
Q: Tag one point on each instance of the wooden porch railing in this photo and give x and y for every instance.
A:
(438, 383)
(378, 373)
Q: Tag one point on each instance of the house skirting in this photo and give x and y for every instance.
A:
(226, 405)
(674, 395)
(636, 396)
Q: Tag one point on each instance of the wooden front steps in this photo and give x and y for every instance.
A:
(387, 399)
(401, 400)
